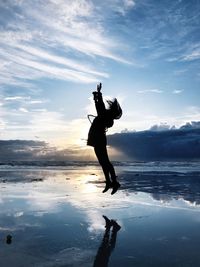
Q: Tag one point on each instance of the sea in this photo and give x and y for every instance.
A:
(137, 166)
(53, 213)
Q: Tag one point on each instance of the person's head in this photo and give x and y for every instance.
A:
(114, 109)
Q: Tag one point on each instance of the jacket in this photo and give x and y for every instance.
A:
(97, 132)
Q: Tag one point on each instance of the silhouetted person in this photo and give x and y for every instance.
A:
(97, 136)
(107, 244)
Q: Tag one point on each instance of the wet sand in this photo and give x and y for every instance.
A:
(55, 218)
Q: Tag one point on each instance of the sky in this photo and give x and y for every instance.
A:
(54, 52)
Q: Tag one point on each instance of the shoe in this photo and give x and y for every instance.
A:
(108, 222)
(116, 226)
(107, 187)
(115, 186)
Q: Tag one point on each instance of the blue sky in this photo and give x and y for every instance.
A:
(54, 52)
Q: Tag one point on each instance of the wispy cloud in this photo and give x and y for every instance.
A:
(167, 30)
(145, 91)
(16, 98)
(45, 45)
(20, 102)
(192, 55)
(122, 6)
(23, 110)
(177, 91)
(34, 33)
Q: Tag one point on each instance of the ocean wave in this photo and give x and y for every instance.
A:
(153, 166)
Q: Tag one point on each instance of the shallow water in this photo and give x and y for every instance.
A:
(54, 218)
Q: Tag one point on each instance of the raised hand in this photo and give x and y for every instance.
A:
(99, 86)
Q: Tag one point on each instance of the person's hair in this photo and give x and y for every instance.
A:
(114, 108)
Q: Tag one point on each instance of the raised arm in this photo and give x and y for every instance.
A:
(99, 104)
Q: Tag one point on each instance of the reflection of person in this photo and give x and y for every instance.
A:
(107, 244)
(97, 136)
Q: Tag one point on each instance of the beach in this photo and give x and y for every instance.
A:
(56, 216)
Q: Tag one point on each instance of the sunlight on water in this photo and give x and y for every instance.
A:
(86, 185)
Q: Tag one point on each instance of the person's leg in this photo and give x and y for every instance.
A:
(104, 251)
(108, 169)
(116, 228)
(108, 165)
(100, 153)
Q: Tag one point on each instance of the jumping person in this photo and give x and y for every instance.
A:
(97, 136)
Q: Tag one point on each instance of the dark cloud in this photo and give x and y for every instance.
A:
(30, 150)
(15, 149)
(157, 143)
(191, 125)
(154, 144)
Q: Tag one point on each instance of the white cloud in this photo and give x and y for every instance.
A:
(18, 214)
(31, 41)
(32, 69)
(37, 101)
(23, 110)
(193, 55)
(129, 3)
(189, 53)
(161, 127)
(177, 91)
(121, 6)
(16, 98)
(141, 120)
(72, 64)
(19, 104)
(157, 91)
